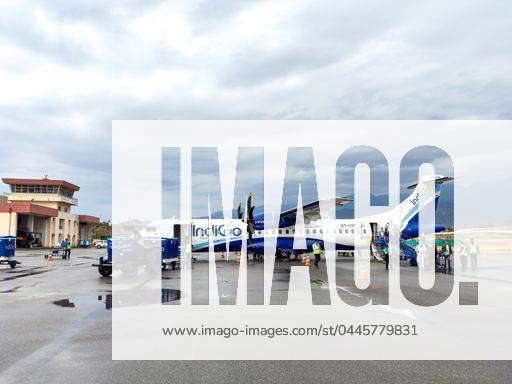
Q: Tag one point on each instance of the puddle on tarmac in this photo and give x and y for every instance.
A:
(21, 270)
(78, 264)
(317, 283)
(24, 273)
(12, 290)
(64, 303)
(169, 296)
(280, 280)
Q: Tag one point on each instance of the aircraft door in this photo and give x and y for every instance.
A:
(177, 231)
(375, 231)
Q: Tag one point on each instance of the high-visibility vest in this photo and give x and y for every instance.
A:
(316, 249)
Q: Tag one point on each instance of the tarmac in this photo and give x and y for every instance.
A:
(56, 327)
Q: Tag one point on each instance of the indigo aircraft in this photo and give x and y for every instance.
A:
(226, 234)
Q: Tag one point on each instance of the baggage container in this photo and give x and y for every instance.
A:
(7, 251)
(170, 252)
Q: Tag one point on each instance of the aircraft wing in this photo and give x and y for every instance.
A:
(437, 179)
(312, 210)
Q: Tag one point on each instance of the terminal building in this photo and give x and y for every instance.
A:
(44, 208)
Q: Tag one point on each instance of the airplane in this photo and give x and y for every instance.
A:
(341, 231)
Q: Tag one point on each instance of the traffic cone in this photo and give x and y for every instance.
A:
(238, 258)
(308, 262)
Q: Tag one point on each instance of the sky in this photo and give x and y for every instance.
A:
(300, 175)
(70, 67)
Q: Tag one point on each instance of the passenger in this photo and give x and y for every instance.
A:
(393, 232)
(474, 250)
(447, 253)
(317, 252)
(437, 259)
(463, 254)
(381, 234)
(422, 250)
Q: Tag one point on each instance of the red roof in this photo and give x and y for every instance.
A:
(28, 208)
(88, 219)
(62, 183)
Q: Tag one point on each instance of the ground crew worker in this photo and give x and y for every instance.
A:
(68, 249)
(317, 252)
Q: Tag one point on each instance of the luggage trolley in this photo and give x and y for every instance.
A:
(7, 251)
(59, 251)
(170, 255)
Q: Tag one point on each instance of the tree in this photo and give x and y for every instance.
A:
(102, 229)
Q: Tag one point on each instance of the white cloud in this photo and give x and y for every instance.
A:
(69, 67)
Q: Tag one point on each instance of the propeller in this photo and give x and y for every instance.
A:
(240, 213)
(249, 220)
(250, 217)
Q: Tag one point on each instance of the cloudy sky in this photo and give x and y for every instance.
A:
(70, 67)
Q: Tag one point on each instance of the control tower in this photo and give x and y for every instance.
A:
(43, 206)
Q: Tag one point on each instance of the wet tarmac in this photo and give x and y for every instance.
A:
(56, 328)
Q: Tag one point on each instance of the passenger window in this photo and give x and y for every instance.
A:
(287, 231)
(280, 231)
(314, 230)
